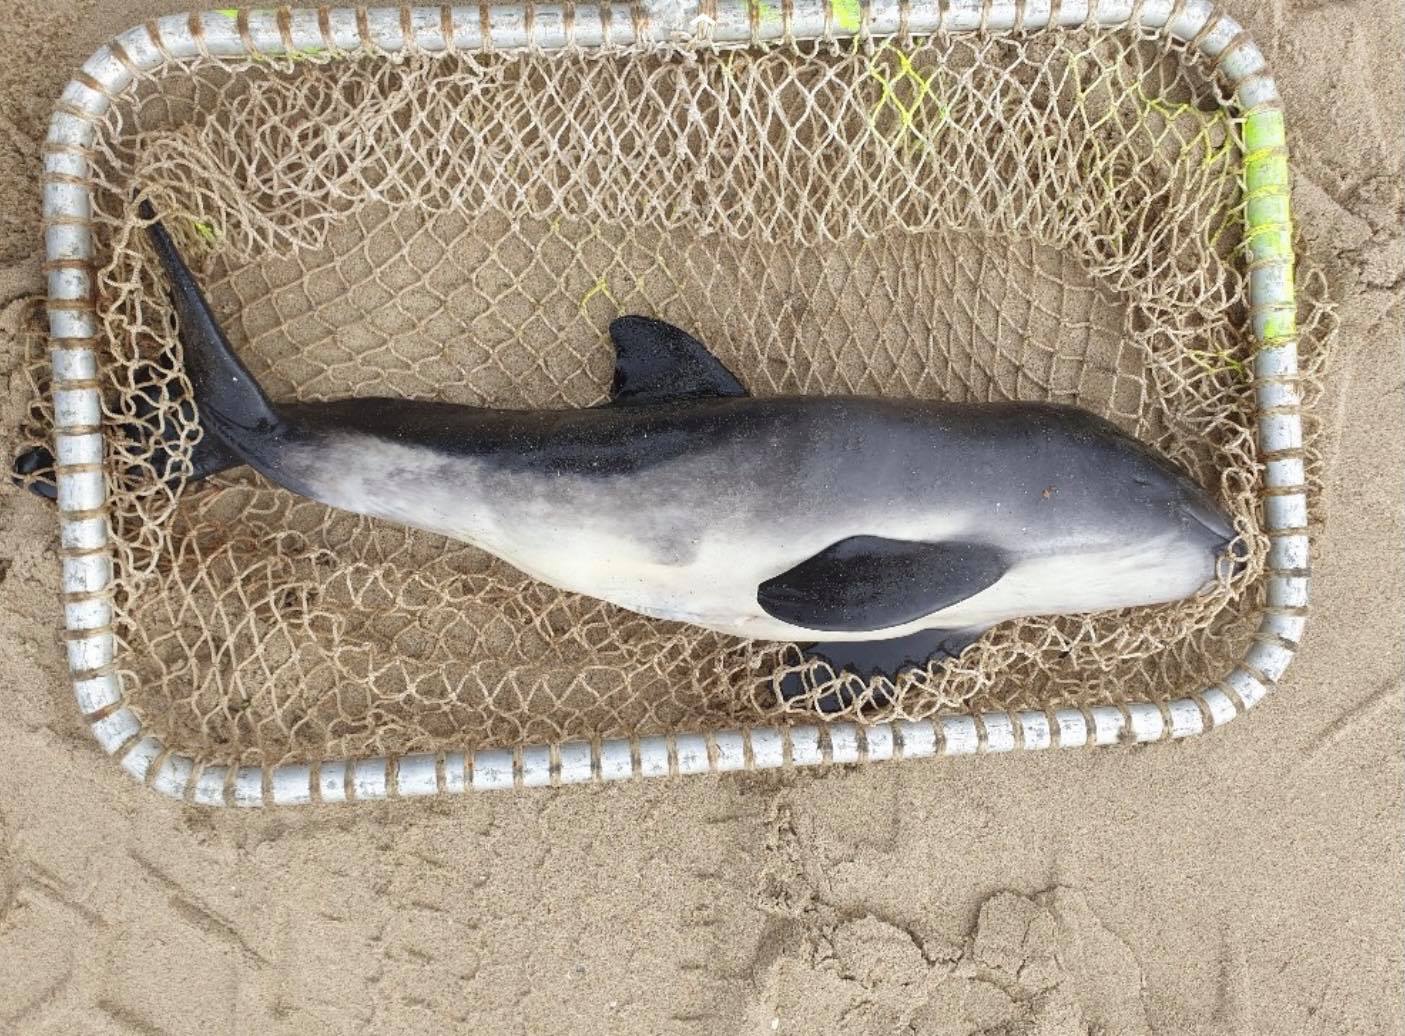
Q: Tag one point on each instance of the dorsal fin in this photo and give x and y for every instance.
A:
(656, 362)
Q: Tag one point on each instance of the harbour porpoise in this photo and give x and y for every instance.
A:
(878, 533)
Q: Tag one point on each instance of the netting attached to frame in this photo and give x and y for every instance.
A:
(1046, 215)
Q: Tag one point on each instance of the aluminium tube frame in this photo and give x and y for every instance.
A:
(328, 34)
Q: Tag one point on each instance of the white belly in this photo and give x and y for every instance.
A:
(718, 588)
(708, 572)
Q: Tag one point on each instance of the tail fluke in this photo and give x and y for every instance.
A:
(153, 426)
(33, 469)
(230, 402)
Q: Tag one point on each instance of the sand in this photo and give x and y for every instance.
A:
(1246, 882)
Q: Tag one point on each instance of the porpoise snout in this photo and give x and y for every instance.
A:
(1207, 520)
(1165, 490)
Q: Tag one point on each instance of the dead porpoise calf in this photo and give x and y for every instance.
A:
(878, 532)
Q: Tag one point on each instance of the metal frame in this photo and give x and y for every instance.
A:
(329, 33)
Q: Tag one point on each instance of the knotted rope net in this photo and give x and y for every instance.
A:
(1052, 215)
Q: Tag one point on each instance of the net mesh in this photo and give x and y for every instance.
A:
(1040, 216)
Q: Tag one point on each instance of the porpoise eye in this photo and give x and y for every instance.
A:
(1141, 481)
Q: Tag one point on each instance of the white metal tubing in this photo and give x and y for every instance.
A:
(327, 34)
